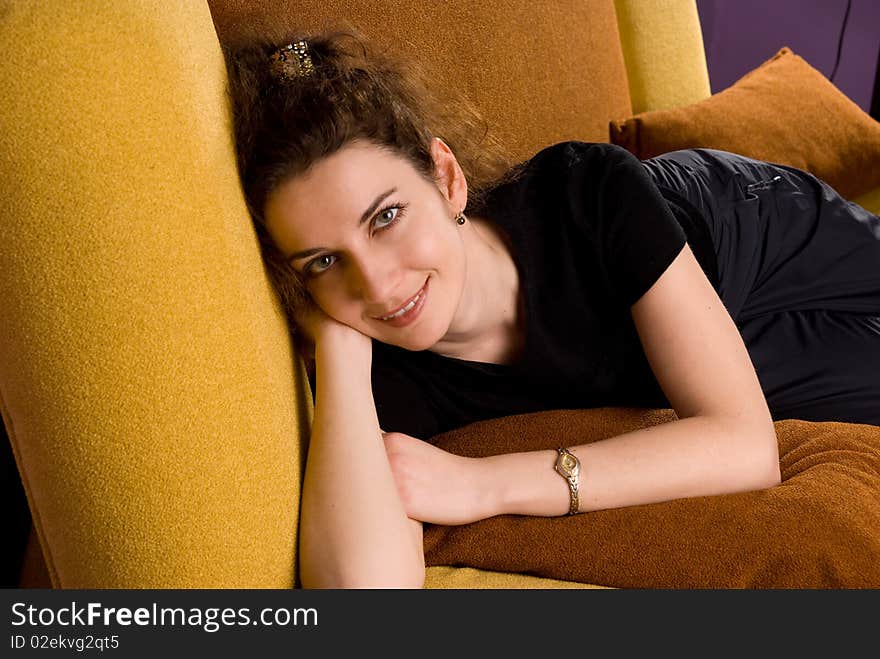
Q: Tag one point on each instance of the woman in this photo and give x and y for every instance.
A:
(580, 278)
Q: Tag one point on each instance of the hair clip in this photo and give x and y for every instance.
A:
(292, 61)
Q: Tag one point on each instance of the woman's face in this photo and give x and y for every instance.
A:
(376, 242)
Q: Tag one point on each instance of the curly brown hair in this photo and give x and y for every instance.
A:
(282, 127)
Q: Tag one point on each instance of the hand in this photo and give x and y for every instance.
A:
(315, 326)
(436, 486)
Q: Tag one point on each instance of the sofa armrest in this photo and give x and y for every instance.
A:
(148, 387)
(663, 49)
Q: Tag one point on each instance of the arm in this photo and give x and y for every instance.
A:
(354, 531)
(723, 442)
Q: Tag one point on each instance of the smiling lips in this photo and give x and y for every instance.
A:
(409, 311)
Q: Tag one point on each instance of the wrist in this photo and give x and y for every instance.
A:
(526, 484)
(340, 342)
(491, 494)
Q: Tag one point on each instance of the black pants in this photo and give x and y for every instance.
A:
(799, 273)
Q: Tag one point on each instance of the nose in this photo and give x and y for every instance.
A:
(375, 281)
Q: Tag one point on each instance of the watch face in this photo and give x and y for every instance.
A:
(568, 464)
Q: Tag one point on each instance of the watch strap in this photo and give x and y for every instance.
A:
(572, 480)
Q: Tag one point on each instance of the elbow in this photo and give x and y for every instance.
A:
(354, 579)
(396, 582)
(771, 463)
(414, 581)
(765, 463)
(774, 477)
(768, 476)
(757, 451)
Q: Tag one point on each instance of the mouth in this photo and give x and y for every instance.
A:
(409, 311)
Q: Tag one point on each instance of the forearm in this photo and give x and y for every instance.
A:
(696, 456)
(354, 530)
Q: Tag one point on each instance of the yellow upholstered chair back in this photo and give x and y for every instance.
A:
(148, 387)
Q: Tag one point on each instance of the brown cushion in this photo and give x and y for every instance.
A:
(784, 111)
(819, 528)
(537, 76)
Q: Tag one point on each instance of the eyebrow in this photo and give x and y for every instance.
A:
(296, 256)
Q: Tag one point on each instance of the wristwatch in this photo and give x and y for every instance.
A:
(569, 467)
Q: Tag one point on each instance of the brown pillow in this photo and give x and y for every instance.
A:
(820, 528)
(784, 111)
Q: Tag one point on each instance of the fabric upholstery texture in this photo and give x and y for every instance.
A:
(447, 577)
(784, 111)
(870, 201)
(539, 73)
(663, 49)
(148, 388)
(820, 528)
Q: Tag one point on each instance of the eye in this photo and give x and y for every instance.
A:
(320, 264)
(388, 216)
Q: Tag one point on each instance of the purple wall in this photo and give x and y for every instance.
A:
(740, 34)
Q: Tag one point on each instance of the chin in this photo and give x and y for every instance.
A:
(423, 338)
(414, 344)
(418, 346)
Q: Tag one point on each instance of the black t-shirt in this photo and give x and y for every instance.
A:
(590, 234)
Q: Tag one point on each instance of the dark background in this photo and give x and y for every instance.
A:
(840, 38)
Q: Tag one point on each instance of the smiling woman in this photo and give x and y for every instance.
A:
(732, 290)
(289, 118)
(372, 253)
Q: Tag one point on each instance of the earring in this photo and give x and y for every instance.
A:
(460, 218)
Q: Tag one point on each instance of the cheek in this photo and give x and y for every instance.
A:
(329, 294)
(442, 251)
(439, 249)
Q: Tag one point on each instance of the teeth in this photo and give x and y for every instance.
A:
(405, 309)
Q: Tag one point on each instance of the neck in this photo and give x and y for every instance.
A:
(487, 325)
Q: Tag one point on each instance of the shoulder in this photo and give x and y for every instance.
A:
(561, 170)
(573, 152)
(584, 170)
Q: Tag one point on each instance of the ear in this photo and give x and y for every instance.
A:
(447, 172)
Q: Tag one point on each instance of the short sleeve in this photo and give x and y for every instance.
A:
(635, 232)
